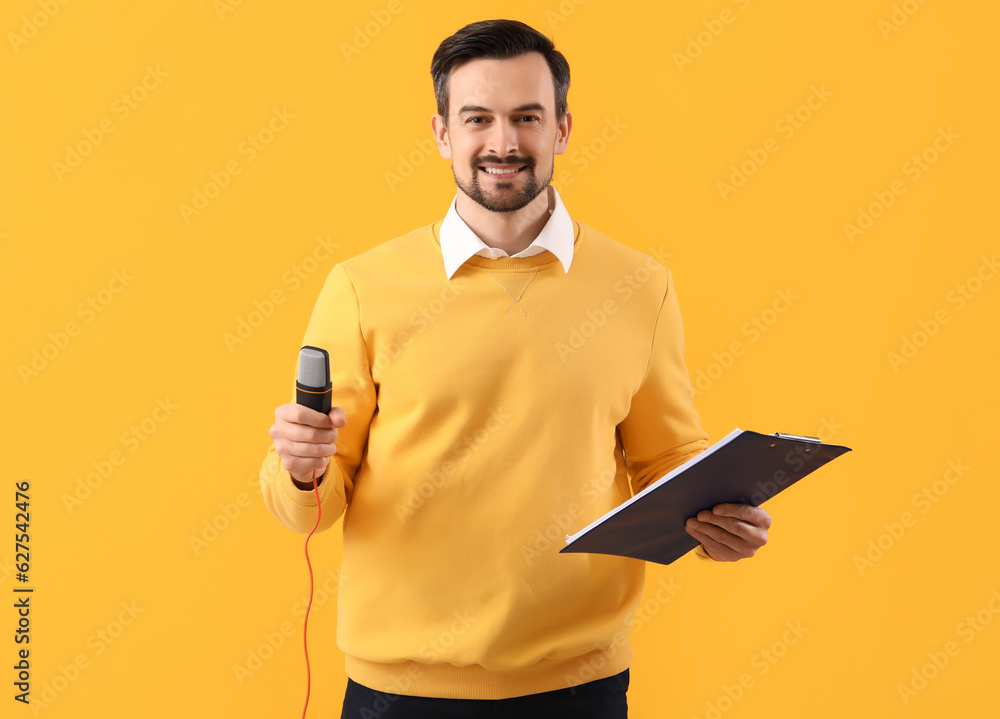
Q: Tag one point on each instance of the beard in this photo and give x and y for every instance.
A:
(504, 197)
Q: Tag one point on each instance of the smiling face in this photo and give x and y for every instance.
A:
(502, 135)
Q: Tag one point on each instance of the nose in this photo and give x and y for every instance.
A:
(503, 140)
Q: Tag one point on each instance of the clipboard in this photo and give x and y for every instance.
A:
(743, 467)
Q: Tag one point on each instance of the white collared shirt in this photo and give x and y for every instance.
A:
(459, 242)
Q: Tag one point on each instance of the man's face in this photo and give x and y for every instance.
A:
(502, 115)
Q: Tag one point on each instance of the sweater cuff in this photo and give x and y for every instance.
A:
(319, 482)
(302, 497)
(702, 554)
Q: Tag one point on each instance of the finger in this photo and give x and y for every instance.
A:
(743, 512)
(730, 524)
(308, 449)
(721, 536)
(301, 466)
(715, 548)
(338, 417)
(300, 414)
(295, 432)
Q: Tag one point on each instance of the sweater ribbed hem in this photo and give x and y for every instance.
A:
(448, 681)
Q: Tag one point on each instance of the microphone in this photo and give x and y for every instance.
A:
(313, 388)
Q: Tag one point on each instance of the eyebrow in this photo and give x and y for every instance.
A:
(523, 108)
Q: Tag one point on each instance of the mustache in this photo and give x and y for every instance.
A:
(512, 163)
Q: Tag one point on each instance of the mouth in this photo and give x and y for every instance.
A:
(501, 171)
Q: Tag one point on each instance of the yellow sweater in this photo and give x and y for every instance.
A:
(488, 416)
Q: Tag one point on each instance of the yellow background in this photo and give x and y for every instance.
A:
(823, 366)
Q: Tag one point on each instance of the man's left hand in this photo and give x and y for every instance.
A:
(730, 531)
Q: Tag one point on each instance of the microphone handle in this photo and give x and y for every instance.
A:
(319, 399)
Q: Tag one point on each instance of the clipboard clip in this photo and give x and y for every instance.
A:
(801, 437)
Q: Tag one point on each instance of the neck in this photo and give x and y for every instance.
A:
(511, 232)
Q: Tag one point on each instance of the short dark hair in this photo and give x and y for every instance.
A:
(497, 40)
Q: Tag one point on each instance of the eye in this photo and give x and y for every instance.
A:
(480, 117)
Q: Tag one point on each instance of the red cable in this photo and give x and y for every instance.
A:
(305, 622)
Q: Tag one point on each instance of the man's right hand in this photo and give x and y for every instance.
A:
(304, 439)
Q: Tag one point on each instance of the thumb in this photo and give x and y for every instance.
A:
(338, 417)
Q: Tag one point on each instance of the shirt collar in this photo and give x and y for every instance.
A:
(459, 242)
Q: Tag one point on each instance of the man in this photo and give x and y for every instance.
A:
(503, 376)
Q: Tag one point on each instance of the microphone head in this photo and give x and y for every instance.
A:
(314, 367)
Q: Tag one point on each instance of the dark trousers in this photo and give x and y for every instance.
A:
(599, 699)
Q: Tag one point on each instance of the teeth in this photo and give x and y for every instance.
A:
(495, 171)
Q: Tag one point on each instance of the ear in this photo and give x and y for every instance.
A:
(441, 135)
(562, 133)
